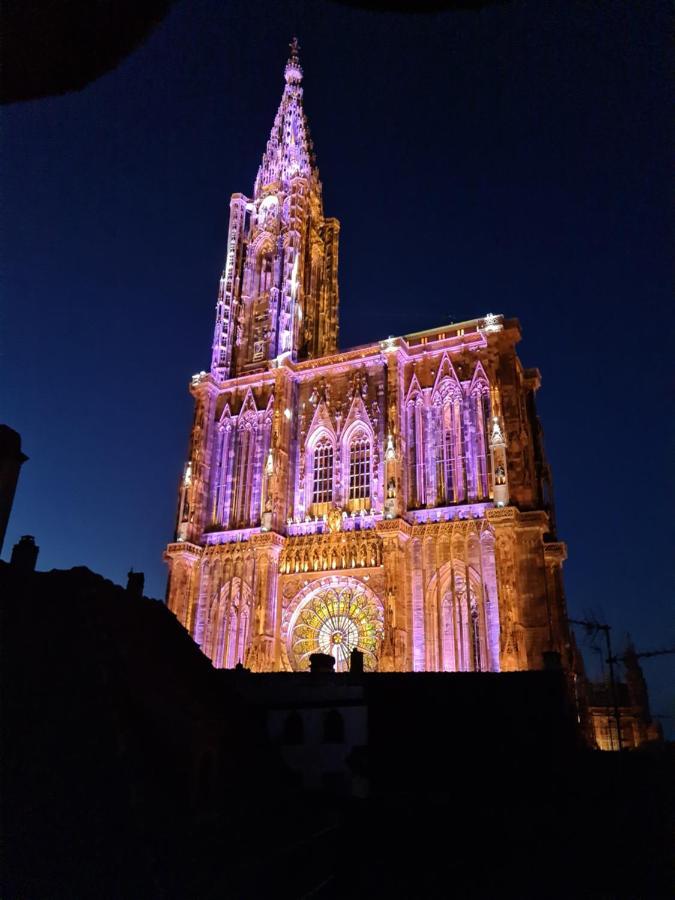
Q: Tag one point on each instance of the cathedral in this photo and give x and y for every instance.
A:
(393, 498)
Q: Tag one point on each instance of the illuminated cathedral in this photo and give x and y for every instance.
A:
(393, 498)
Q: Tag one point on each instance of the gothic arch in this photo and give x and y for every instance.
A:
(446, 383)
(320, 460)
(469, 616)
(357, 451)
(232, 630)
(248, 406)
(365, 624)
(478, 438)
(414, 390)
(447, 476)
(479, 380)
(225, 416)
(416, 445)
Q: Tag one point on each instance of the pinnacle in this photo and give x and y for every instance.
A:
(293, 70)
(289, 151)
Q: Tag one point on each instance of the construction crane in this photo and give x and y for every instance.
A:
(592, 626)
(642, 654)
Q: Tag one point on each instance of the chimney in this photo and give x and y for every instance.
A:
(25, 554)
(135, 583)
(356, 662)
(321, 663)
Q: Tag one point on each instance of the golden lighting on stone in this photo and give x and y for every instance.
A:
(335, 621)
(426, 440)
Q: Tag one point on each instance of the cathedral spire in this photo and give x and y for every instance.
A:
(279, 291)
(289, 149)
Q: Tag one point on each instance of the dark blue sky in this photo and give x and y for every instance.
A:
(511, 160)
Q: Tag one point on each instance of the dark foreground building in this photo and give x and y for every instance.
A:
(132, 768)
(11, 460)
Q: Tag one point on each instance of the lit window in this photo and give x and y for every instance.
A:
(322, 485)
(359, 469)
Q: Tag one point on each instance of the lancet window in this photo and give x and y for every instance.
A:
(475, 637)
(266, 273)
(463, 634)
(236, 634)
(450, 464)
(264, 270)
(243, 482)
(359, 468)
(242, 635)
(322, 482)
(232, 639)
(415, 454)
(481, 417)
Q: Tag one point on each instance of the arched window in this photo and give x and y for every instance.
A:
(453, 475)
(359, 468)
(448, 467)
(322, 481)
(415, 455)
(461, 453)
(412, 456)
(264, 271)
(333, 728)
(245, 471)
(475, 637)
(447, 463)
(482, 432)
(231, 639)
(243, 635)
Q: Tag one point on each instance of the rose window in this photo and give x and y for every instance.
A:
(335, 621)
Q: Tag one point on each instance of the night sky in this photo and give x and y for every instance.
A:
(513, 159)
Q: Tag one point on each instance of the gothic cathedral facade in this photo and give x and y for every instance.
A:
(394, 497)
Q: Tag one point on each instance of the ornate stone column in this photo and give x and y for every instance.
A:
(264, 653)
(283, 445)
(504, 523)
(184, 560)
(394, 534)
(193, 511)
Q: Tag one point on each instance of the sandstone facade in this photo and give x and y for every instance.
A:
(394, 497)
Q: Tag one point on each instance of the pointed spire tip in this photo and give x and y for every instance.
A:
(293, 70)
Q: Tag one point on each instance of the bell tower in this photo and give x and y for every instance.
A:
(278, 291)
